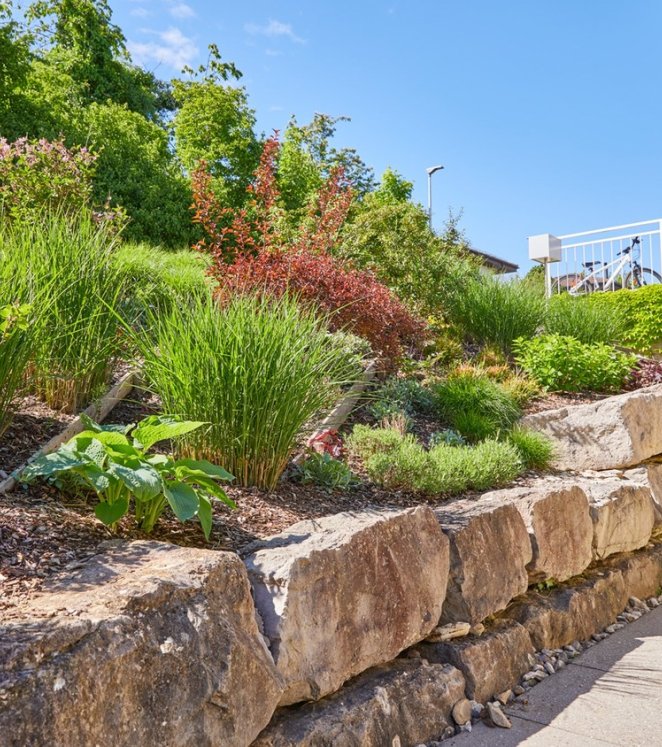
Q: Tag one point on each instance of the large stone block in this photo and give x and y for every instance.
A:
(641, 571)
(650, 475)
(623, 514)
(148, 644)
(405, 703)
(559, 523)
(347, 592)
(564, 615)
(616, 432)
(490, 549)
(490, 663)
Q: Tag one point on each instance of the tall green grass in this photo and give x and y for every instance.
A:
(585, 321)
(16, 332)
(494, 312)
(159, 278)
(256, 370)
(75, 291)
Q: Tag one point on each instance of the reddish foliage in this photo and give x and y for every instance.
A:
(327, 442)
(252, 256)
(646, 372)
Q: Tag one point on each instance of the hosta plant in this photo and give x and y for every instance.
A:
(115, 463)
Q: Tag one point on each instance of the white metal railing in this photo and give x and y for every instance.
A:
(581, 252)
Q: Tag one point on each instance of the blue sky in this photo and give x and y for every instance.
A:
(546, 115)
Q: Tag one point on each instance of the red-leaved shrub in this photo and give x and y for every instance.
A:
(645, 373)
(252, 255)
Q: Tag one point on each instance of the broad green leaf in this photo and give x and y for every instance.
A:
(144, 482)
(123, 452)
(182, 499)
(204, 515)
(91, 425)
(158, 460)
(96, 452)
(160, 428)
(48, 465)
(96, 477)
(208, 486)
(109, 513)
(202, 466)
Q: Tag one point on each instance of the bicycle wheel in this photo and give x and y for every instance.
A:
(641, 277)
(565, 283)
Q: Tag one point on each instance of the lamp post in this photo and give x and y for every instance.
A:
(431, 171)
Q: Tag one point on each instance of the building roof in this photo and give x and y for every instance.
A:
(495, 263)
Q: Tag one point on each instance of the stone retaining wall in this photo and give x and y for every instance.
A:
(363, 628)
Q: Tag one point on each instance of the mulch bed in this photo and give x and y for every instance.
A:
(556, 400)
(43, 532)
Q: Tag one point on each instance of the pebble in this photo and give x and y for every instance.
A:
(505, 697)
(476, 709)
(532, 660)
(560, 664)
(448, 632)
(518, 690)
(577, 646)
(637, 604)
(497, 717)
(464, 728)
(477, 629)
(549, 668)
(652, 602)
(462, 712)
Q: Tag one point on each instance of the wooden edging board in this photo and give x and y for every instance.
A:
(341, 411)
(97, 411)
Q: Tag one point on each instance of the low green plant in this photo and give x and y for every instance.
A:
(561, 363)
(403, 463)
(475, 405)
(588, 322)
(327, 472)
(493, 312)
(365, 441)
(256, 369)
(641, 314)
(446, 437)
(15, 349)
(536, 450)
(115, 463)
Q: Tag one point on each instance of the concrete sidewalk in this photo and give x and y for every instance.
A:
(610, 695)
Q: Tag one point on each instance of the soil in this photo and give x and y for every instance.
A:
(42, 532)
(556, 400)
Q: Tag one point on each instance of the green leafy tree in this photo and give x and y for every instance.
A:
(136, 170)
(214, 123)
(308, 158)
(14, 60)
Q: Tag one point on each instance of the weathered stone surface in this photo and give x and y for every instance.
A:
(622, 512)
(650, 475)
(573, 613)
(490, 664)
(620, 431)
(641, 571)
(490, 549)
(148, 644)
(557, 517)
(347, 592)
(406, 702)
(449, 631)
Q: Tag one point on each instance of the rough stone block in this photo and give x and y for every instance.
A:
(650, 475)
(148, 644)
(347, 592)
(557, 518)
(490, 549)
(564, 615)
(641, 571)
(616, 432)
(622, 512)
(407, 702)
(490, 663)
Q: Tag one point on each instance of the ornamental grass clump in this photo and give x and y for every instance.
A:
(256, 369)
(75, 292)
(584, 320)
(15, 348)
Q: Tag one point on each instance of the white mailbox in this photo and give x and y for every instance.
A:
(545, 248)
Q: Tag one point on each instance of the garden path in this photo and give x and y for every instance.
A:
(610, 695)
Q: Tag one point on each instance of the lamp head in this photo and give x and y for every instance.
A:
(431, 170)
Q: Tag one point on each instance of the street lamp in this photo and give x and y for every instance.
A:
(431, 171)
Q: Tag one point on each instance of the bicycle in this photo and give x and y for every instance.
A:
(598, 278)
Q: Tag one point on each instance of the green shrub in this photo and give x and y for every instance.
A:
(535, 450)
(446, 437)
(561, 363)
(474, 405)
(157, 278)
(401, 396)
(365, 441)
(114, 462)
(641, 312)
(490, 311)
(445, 469)
(588, 322)
(75, 291)
(256, 369)
(327, 472)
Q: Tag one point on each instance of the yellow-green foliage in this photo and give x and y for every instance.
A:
(642, 313)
